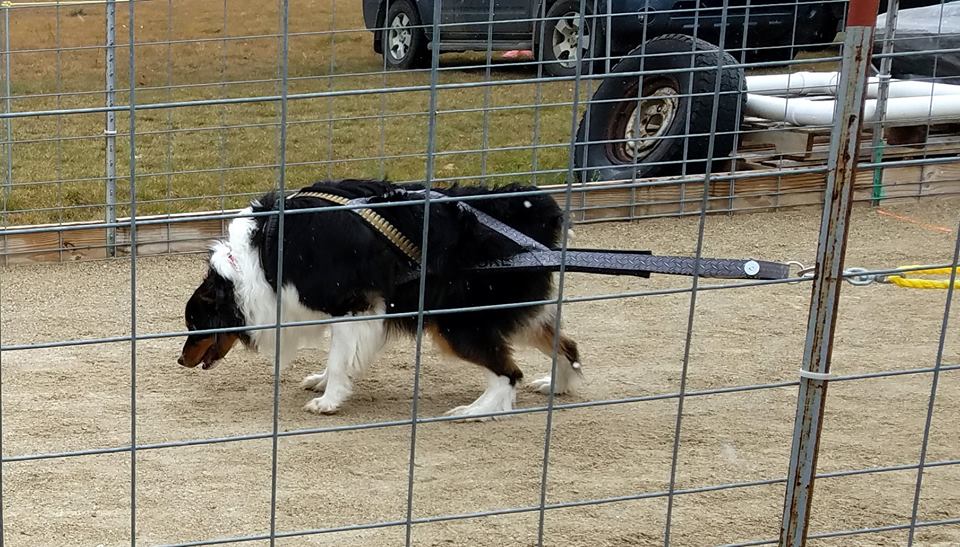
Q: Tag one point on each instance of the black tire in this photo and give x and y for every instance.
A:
(604, 150)
(564, 14)
(403, 22)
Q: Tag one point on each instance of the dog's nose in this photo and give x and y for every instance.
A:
(180, 361)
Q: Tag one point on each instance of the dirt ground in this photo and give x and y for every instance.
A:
(78, 398)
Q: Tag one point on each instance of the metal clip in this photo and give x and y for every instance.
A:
(803, 272)
(854, 276)
(858, 276)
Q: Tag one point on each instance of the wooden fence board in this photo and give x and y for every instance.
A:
(750, 190)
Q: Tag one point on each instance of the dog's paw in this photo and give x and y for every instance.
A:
(467, 413)
(322, 405)
(542, 385)
(563, 386)
(315, 382)
(500, 400)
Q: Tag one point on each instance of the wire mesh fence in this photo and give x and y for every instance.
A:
(148, 128)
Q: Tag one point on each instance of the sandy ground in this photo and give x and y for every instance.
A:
(79, 398)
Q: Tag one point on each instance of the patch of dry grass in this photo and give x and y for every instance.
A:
(193, 158)
(207, 157)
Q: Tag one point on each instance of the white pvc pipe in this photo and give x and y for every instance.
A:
(797, 83)
(806, 112)
(793, 111)
(910, 88)
(825, 83)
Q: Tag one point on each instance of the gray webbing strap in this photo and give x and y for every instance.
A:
(638, 263)
(501, 228)
(537, 256)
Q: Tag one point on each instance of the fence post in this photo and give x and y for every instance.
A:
(838, 199)
(879, 141)
(110, 131)
(7, 108)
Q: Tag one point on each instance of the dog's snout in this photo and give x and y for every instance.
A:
(180, 361)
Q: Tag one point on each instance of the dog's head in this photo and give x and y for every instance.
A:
(212, 306)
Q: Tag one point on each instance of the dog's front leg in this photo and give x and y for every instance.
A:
(353, 345)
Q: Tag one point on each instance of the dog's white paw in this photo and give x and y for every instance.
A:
(542, 385)
(322, 405)
(565, 384)
(315, 382)
(468, 413)
(499, 397)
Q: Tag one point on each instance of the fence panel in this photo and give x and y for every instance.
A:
(805, 138)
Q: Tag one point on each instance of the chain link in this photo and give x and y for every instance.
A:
(855, 276)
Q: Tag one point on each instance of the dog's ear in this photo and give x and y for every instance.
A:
(215, 290)
(222, 292)
(208, 292)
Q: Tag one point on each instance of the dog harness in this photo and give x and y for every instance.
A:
(536, 256)
(376, 221)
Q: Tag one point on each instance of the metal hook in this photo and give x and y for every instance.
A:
(858, 276)
(803, 272)
(854, 276)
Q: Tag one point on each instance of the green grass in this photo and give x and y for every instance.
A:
(208, 157)
(196, 158)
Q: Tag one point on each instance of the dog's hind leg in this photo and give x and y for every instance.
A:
(569, 371)
(494, 354)
(353, 345)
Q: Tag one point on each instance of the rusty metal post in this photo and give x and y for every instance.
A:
(828, 277)
(7, 108)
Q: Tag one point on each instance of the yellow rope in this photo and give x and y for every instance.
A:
(902, 281)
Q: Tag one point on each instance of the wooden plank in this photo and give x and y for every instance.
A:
(155, 239)
(913, 135)
(767, 141)
(34, 247)
(595, 201)
(783, 141)
(88, 244)
(85, 244)
(56, 244)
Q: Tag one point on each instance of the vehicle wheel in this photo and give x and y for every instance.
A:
(404, 42)
(561, 49)
(627, 137)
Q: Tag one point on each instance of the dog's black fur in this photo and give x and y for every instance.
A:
(340, 266)
(353, 261)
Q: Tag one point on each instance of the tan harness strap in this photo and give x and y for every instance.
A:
(378, 223)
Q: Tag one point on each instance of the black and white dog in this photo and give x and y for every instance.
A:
(337, 265)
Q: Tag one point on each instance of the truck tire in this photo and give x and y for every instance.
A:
(403, 42)
(559, 51)
(621, 137)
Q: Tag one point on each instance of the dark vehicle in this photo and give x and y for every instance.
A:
(403, 28)
(926, 40)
